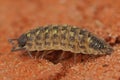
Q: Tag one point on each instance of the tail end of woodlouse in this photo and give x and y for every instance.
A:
(109, 50)
(99, 45)
(14, 46)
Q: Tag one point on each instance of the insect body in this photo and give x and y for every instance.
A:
(62, 37)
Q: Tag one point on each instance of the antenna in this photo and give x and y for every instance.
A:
(15, 48)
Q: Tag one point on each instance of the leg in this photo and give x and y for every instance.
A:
(45, 53)
(36, 55)
(30, 54)
(75, 55)
(60, 58)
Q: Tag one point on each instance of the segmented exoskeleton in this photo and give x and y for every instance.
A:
(61, 37)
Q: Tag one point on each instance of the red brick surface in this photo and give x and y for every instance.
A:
(102, 17)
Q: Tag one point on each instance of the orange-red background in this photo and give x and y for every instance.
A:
(102, 17)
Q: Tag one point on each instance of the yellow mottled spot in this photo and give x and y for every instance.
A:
(72, 33)
(46, 31)
(54, 31)
(89, 39)
(28, 34)
(37, 32)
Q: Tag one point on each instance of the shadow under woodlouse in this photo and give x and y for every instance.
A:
(55, 55)
(60, 38)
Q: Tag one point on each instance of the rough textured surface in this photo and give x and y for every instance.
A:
(102, 17)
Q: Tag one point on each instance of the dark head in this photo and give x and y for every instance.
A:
(20, 45)
(22, 40)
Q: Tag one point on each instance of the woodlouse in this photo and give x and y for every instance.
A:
(61, 37)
